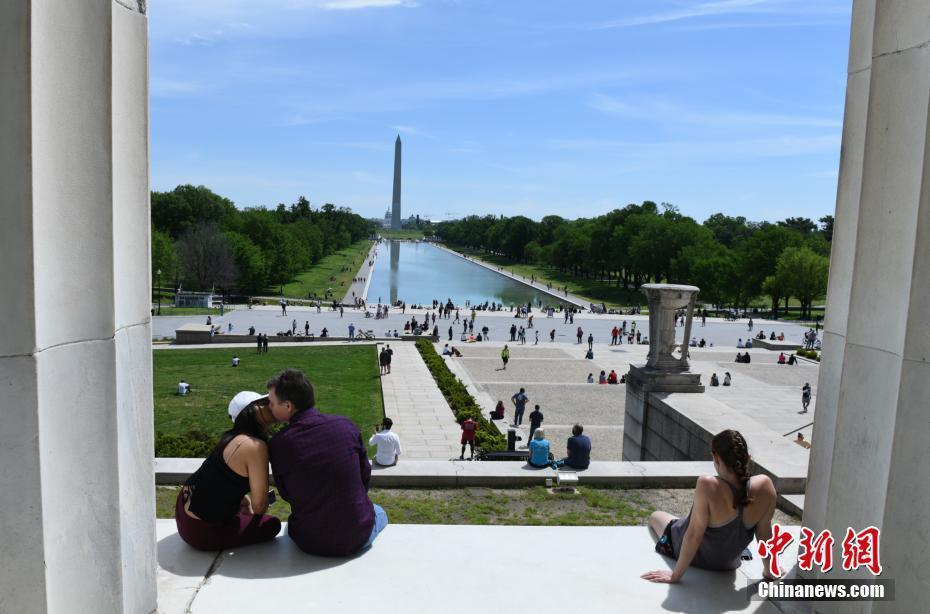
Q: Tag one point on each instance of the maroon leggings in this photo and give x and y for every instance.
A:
(239, 530)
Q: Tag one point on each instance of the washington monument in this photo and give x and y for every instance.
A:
(395, 203)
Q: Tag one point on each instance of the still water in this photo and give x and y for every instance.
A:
(417, 273)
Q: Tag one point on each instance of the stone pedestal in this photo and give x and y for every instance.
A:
(77, 530)
(663, 372)
(870, 438)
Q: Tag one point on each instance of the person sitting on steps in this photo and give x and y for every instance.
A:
(728, 510)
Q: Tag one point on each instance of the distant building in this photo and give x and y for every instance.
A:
(193, 299)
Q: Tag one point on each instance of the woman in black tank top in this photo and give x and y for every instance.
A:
(699, 539)
(214, 510)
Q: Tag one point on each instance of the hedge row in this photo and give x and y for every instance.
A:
(463, 405)
(812, 354)
(193, 444)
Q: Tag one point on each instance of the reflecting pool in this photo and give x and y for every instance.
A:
(417, 273)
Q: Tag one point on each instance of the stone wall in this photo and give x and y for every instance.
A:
(655, 431)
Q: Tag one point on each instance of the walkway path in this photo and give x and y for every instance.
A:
(422, 417)
(360, 288)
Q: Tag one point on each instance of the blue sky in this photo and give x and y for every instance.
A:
(515, 107)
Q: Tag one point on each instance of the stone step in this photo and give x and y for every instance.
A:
(452, 569)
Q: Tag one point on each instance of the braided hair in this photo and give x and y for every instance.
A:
(730, 446)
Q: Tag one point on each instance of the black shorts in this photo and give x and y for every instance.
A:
(664, 545)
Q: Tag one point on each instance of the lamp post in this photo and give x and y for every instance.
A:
(158, 274)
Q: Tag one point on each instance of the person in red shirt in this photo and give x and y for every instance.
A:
(469, 428)
(614, 333)
(612, 378)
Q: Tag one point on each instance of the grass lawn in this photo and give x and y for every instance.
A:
(345, 380)
(317, 280)
(592, 290)
(401, 234)
(593, 506)
(191, 311)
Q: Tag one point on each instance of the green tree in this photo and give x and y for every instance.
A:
(803, 274)
(164, 258)
(253, 271)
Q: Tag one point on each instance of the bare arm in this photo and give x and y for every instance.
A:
(700, 516)
(766, 489)
(256, 456)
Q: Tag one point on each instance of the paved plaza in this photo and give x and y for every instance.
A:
(268, 319)
(764, 399)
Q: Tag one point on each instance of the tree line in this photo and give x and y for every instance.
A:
(201, 240)
(732, 260)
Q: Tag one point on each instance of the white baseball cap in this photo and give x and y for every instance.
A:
(243, 400)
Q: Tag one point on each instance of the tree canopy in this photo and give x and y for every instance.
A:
(201, 240)
(731, 259)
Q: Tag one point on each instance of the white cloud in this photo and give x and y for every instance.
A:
(349, 5)
(720, 7)
(666, 112)
(779, 146)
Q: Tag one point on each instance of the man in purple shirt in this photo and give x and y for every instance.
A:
(321, 468)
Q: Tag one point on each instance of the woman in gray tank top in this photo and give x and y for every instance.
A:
(728, 510)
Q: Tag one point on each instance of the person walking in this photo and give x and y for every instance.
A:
(536, 420)
(351, 331)
(519, 401)
(536, 342)
(551, 335)
(505, 356)
(579, 334)
(265, 343)
(450, 333)
(469, 428)
(390, 355)
(805, 396)
(590, 341)
(382, 361)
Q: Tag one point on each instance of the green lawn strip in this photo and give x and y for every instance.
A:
(401, 234)
(345, 380)
(592, 290)
(192, 311)
(328, 273)
(592, 506)
(463, 405)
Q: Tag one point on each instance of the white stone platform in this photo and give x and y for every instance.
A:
(450, 569)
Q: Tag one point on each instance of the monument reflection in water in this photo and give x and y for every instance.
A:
(417, 273)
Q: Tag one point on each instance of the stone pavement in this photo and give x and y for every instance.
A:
(430, 568)
(422, 417)
(268, 319)
(763, 401)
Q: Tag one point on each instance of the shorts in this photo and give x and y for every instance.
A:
(664, 545)
(470, 442)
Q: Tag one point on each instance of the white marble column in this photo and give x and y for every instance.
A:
(870, 441)
(76, 485)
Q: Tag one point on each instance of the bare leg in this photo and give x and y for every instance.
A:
(658, 520)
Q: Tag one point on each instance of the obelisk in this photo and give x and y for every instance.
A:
(395, 203)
